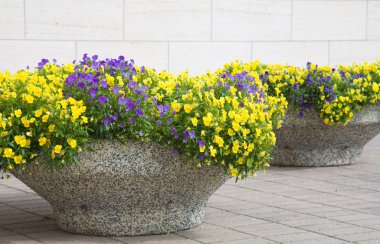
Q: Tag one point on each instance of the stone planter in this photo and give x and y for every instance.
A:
(132, 189)
(309, 142)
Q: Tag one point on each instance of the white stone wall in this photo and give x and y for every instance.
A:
(194, 34)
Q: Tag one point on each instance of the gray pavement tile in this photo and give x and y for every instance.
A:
(354, 216)
(234, 221)
(25, 224)
(268, 229)
(4, 222)
(344, 231)
(255, 240)
(375, 241)
(16, 239)
(4, 232)
(325, 240)
(35, 229)
(328, 225)
(212, 213)
(301, 236)
(360, 236)
(156, 239)
(234, 204)
(58, 236)
(312, 220)
(367, 222)
(211, 233)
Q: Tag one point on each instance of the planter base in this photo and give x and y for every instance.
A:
(126, 190)
(132, 223)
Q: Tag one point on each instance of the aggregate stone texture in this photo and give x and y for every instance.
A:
(126, 190)
(310, 142)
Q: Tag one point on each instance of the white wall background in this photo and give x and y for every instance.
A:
(194, 34)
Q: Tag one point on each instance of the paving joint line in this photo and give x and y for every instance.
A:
(322, 203)
(333, 194)
(296, 227)
(295, 211)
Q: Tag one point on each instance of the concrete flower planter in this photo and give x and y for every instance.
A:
(309, 142)
(132, 189)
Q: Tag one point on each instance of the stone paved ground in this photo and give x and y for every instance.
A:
(285, 205)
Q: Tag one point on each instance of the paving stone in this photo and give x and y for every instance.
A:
(234, 221)
(155, 239)
(211, 233)
(343, 231)
(255, 240)
(268, 229)
(59, 236)
(17, 239)
(301, 236)
(360, 236)
(4, 232)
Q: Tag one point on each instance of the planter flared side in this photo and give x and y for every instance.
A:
(127, 190)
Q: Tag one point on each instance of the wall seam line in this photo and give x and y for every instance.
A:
(123, 20)
(168, 56)
(291, 19)
(211, 1)
(251, 51)
(76, 50)
(25, 19)
(366, 21)
(328, 53)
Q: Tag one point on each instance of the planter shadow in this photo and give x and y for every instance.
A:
(310, 142)
(126, 190)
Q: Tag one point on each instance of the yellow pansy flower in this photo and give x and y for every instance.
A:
(17, 159)
(176, 106)
(51, 128)
(45, 118)
(8, 152)
(42, 141)
(194, 121)
(207, 119)
(375, 87)
(72, 143)
(58, 149)
(18, 113)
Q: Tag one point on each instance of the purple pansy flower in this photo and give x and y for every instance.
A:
(70, 79)
(106, 121)
(102, 99)
(139, 112)
(104, 84)
(115, 89)
(93, 92)
(132, 85)
(201, 143)
(132, 120)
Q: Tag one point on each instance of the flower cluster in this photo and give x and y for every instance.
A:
(222, 119)
(35, 117)
(336, 93)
